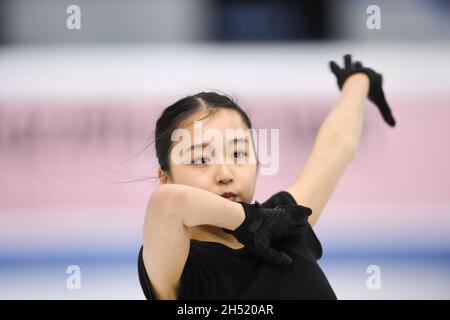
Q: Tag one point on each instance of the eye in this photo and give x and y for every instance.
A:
(200, 160)
(241, 152)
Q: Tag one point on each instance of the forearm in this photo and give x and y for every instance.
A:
(196, 206)
(343, 125)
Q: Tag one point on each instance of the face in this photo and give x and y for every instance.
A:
(229, 168)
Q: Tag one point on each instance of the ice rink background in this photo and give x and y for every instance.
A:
(74, 119)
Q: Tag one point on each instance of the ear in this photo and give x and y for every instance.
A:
(163, 178)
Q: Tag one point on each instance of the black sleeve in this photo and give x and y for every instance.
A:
(279, 199)
(189, 279)
(143, 278)
(284, 198)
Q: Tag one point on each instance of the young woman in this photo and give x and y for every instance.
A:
(197, 244)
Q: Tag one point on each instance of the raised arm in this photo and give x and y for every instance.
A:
(334, 147)
(338, 137)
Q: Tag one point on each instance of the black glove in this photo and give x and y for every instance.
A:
(376, 94)
(261, 225)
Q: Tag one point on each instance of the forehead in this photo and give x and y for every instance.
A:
(221, 119)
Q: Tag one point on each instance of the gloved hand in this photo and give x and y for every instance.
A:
(261, 225)
(376, 94)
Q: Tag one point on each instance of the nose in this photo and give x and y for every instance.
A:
(223, 174)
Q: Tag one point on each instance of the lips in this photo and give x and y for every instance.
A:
(229, 195)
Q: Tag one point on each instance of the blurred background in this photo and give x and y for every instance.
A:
(81, 88)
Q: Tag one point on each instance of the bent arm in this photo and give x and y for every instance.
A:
(196, 206)
(171, 210)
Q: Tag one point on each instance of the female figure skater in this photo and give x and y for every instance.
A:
(197, 244)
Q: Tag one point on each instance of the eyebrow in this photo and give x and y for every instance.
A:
(204, 144)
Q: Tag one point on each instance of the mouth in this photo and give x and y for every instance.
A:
(229, 195)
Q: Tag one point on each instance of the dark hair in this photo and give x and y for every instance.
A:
(172, 117)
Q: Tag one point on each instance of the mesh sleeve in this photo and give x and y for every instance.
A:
(285, 198)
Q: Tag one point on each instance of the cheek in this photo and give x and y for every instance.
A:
(248, 177)
(182, 175)
(192, 178)
(251, 171)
